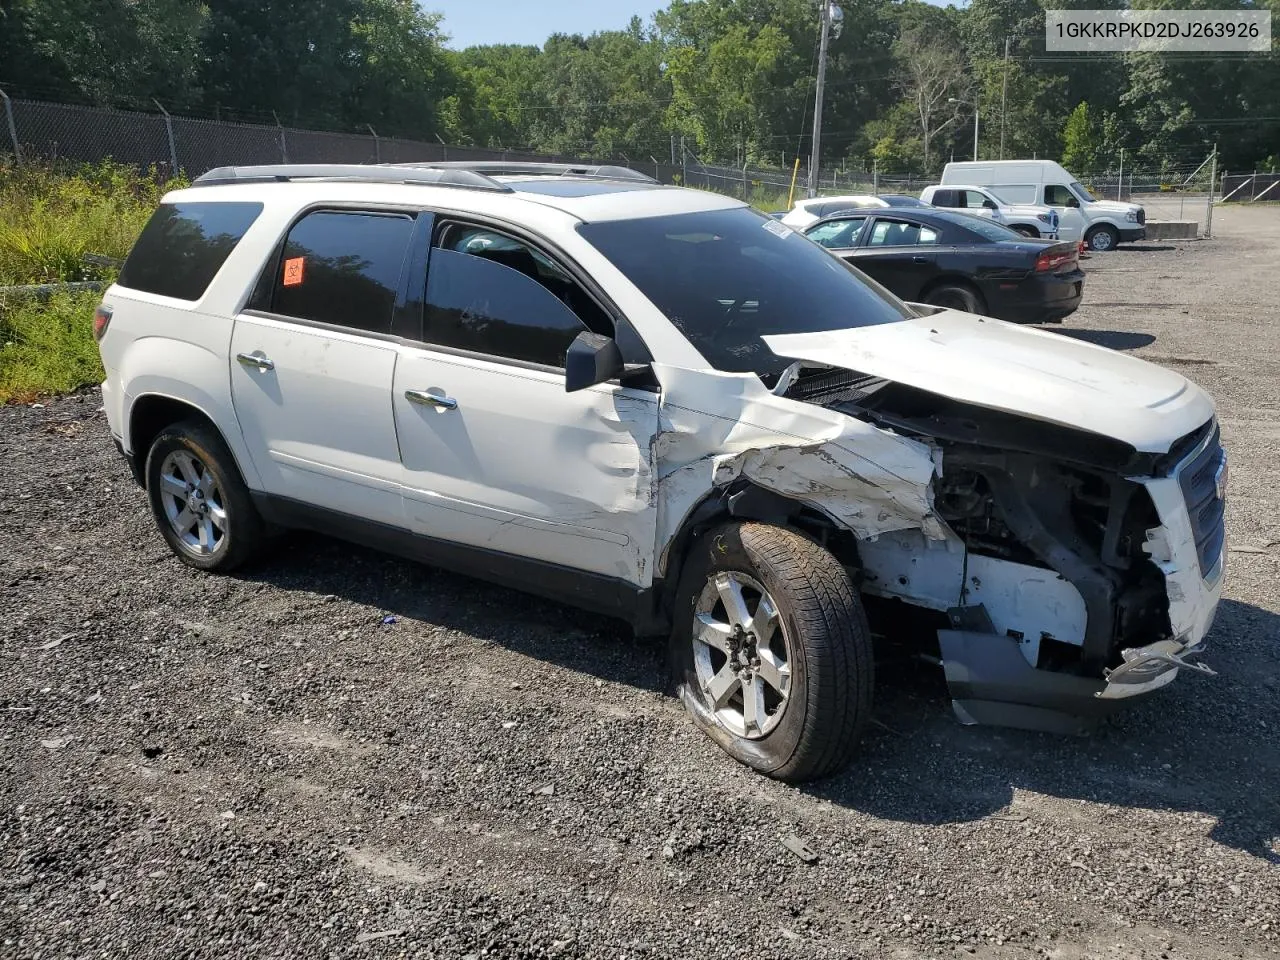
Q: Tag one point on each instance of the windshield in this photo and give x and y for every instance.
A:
(1082, 193)
(727, 278)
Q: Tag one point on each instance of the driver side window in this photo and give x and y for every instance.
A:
(1056, 195)
(490, 293)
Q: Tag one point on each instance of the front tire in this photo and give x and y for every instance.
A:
(771, 651)
(1103, 238)
(198, 499)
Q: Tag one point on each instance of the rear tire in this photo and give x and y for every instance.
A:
(956, 296)
(1103, 238)
(198, 499)
(798, 619)
(1031, 232)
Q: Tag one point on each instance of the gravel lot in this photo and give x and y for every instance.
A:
(261, 766)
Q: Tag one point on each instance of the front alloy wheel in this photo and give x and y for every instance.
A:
(770, 650)
(741, 654)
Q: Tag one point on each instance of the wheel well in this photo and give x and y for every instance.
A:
(151, 414)
(954, 281)
(746, 501)
(1035, 231)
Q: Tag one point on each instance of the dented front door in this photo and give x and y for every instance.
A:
(499, 456)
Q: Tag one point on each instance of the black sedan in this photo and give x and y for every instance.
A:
(955, 260)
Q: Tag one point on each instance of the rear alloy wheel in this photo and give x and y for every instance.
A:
(956, 297)
(199, 502)
(1102, 238)
(771, 651)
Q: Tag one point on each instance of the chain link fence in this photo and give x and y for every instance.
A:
(38, 130)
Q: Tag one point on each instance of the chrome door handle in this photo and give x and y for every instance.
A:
(919, 259)
(256, 360)
(430, 400)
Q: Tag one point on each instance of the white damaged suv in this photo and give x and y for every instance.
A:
(656, 403)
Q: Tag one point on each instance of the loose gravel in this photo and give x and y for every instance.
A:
(340, 754)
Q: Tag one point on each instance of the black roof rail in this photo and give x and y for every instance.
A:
(425, 174)
(519, 168)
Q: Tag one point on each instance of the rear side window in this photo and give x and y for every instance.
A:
(184, 245)
(343, 268)
(895, 233)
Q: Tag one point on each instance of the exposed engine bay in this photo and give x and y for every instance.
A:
(1051, 580)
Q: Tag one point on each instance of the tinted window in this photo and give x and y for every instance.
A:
(492, 304)
(184, 245)
(895, 233)
(343, 268)
(727, 278)
(945, 198)
(837, 234)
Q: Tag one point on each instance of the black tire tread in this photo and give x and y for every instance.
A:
(979, 303)
(833, 628)
(250, 531)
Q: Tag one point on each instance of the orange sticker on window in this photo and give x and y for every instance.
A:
(293, 271)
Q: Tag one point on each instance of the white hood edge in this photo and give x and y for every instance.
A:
(1005, 367)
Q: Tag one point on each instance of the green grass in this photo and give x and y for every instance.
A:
(47, 347)
(50, 218)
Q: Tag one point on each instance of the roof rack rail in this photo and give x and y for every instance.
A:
(415, 173)
(517, 168)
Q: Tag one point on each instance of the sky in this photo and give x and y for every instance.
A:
(469, 22)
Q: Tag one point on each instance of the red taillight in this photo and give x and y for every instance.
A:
(1052, 261)
(101, 320)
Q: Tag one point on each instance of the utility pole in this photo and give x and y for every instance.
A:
(1120, 189)
(975, 132)
(816, 152)
(1213, 176)
(1004, 94)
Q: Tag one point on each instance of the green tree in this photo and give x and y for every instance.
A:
(111, 52)
(402, 76)
(296, 58)
(1081, 141)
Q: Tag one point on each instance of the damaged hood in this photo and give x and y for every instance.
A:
(1001, 366)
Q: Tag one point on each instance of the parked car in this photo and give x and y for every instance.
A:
(954, 260)
(902, 200)
(661, 405)
(813, 209)
(1027, 219)
(1100, 223)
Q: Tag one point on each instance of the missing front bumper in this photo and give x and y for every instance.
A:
(992, 683)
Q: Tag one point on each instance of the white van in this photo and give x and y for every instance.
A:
(1100, 223)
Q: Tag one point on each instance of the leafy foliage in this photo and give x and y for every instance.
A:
(733, 79)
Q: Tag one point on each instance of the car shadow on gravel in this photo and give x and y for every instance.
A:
(1113, 339)
(405, 590)
(1204, 746)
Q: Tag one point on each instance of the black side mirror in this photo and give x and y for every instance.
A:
(592, 358)
(990, 205)
(1073, 202)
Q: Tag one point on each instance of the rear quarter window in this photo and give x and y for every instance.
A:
(184, 245)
